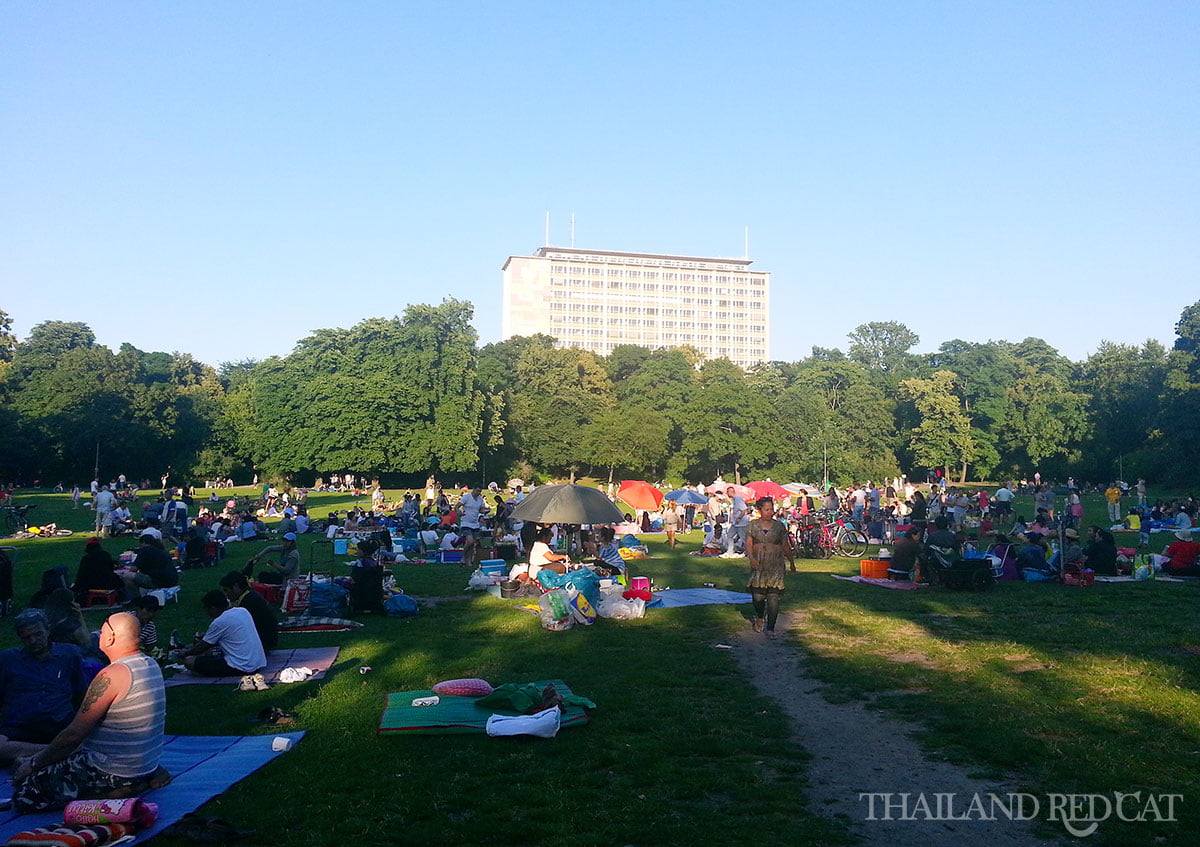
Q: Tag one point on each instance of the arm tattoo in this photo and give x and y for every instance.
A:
(95, 692)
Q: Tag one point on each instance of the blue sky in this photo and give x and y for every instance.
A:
(224, 178)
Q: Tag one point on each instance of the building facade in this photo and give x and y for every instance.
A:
(597, 299)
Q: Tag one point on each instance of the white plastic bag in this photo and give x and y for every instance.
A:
(618, 608)
(480, 582)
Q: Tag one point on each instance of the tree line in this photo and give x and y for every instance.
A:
(402, 397)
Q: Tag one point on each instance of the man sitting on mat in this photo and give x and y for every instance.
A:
(231, 646)
(41, 685)
(238, 590)
(112, 746)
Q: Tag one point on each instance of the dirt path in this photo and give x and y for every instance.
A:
(858, 751)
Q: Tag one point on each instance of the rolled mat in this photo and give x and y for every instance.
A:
(72, 836)
(132, 810)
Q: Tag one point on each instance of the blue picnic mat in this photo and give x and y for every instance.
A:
(695, 597)
(203, 766)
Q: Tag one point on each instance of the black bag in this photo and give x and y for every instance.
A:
(366, 593)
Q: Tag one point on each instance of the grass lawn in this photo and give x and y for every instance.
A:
(1088, 690)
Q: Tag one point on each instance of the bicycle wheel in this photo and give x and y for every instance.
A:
(853, 543)
(63, 533)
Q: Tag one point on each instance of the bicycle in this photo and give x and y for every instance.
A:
(48, 531)
(821, 540)
(16, 518)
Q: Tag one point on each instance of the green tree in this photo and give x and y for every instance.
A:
(883, 347)
(943, 437)
(387, 395)
(859, 431)
(1187, 329)
(632, 439)
(731, 427)
(557, 393)
(1125, 384)
(8, 343)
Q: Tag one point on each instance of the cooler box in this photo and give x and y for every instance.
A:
(639, 583)
(874, 568)
(341, 546)
(493, 567)
(449, 556)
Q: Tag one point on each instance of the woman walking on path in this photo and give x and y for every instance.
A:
(767, 545)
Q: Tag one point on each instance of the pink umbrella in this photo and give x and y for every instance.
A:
(766, 488)
(722, 488)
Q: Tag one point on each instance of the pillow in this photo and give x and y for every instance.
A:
(463, 688)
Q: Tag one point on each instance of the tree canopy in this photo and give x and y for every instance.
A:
(405, 396)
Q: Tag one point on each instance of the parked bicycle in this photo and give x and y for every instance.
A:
(824, 538)
(16, 518)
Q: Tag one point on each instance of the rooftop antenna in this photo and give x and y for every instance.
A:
(746, 255)
(572, 229)
(547, 241)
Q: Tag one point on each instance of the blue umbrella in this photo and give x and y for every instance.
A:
(686, 496)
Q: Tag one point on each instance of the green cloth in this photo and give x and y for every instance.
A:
(522, 697)
(464, 715)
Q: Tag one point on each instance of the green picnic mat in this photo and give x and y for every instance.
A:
(458, 715)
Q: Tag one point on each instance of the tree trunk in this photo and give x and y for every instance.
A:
(963, 478)
(737, 473)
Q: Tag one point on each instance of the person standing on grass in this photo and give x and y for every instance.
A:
(104, 503)
(739, 519)
(767, 545)
(1113, 495)
(670, 521)
(1141, 492)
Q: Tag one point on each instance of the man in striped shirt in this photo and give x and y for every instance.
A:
(112, 746)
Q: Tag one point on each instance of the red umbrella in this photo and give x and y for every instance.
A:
(640, 495)
(766, 488)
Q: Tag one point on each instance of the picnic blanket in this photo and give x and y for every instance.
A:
(673, 597)
(320, 659)
(309, 623)
(458, 715)
(1157, 578)
(202, 767)
(895, 584)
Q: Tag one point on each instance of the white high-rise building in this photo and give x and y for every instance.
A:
(597, 299)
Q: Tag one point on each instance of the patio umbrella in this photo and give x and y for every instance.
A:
(567, 504)
(686, 496)
(723, 487)
(640, 495)
(766, 488)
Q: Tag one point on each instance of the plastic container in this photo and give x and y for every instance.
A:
(493, 567)
(341, 546)
(639, 583)
(873, 568)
